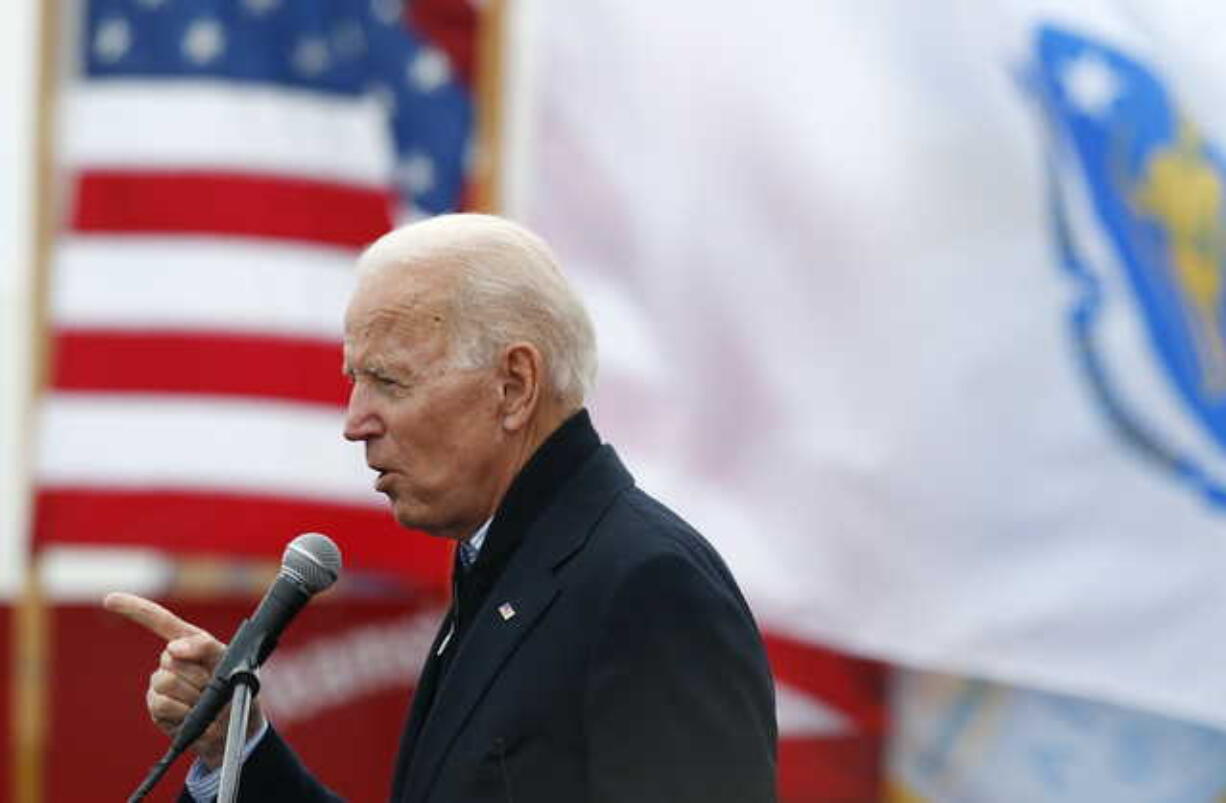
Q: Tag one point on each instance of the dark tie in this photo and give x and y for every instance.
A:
(468, 555)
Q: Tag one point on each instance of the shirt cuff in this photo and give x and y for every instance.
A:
(203, 784)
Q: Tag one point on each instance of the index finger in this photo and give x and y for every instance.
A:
(149, 614)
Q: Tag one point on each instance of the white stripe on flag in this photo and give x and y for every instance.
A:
(801, 714)
(150, 125)
(154, 441)
(187, 283)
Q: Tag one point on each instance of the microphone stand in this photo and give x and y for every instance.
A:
(245, 686)
(241, 685)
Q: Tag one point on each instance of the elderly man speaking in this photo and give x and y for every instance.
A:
(597, 648)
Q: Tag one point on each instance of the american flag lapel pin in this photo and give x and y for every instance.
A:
(506, 610)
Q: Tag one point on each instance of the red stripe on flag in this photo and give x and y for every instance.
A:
(208, 363)
(185, 521)
(232, 204)
(840, 769)
(855, 687)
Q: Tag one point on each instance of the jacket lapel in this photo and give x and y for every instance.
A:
(417, 709)
(529, 586)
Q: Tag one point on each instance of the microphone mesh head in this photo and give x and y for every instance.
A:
(313, 561)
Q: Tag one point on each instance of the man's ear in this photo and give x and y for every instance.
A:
(522, 372)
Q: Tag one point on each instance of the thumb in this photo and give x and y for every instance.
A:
(199, 647)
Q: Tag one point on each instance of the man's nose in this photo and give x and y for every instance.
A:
(361, 419)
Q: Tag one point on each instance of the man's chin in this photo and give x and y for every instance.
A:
(404, 518)
(411, 519)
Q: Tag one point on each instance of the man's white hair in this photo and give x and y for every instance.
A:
(509, 288)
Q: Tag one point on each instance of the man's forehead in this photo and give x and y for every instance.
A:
(386, 317)
(390, 298)
(385, 320)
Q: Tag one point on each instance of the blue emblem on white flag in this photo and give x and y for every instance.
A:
(1138, 193)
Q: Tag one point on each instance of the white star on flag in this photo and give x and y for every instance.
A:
(1091, 84)
(204, 41)
(113, 39)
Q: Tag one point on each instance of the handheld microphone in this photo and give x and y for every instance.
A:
(311, 563)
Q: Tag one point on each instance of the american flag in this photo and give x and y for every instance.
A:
(225, 160)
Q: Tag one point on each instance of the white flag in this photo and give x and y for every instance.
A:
(917, 310)
(18, 208)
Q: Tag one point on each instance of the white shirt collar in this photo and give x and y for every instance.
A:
(478, 538)
(470, 549)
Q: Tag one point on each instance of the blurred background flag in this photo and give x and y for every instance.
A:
(224, 163)
(828, 246)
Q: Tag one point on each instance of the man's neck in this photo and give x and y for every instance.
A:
(538, 430)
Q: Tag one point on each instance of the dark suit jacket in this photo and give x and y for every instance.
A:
(608, 657)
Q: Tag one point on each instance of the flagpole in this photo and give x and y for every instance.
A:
(30, 634)
(487, 170)
(32, 615)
